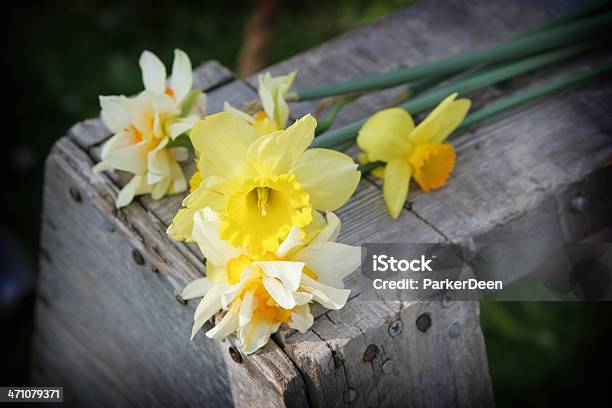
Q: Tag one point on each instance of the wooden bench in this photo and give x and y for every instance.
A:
(111, 331)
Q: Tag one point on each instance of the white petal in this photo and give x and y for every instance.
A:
(226, 326)
(301, 319)
(331, 231)
(127, 193)
(121, 139)
(131, 158)
(288, 272)
(256, 334)
(180, 126)
(182, 80)
(302, 298)
(329, 297)
(153, 72)
(247, 306)
(294, 238)
(331, 261)
(208, 306)
(196, 289)
(279, 292)
(114, 113)
(206, 234)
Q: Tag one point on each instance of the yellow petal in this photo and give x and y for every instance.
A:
(330, 177)
(452, 117)
(194, 181)
(432, 164)
(384, 136)
(277, 152)
(395, 187)
(430, 126)
(222, 141)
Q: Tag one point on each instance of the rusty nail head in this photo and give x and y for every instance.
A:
(75, 194)
(423, 322)
(370, 353)
(137, 257)
(579, 203)
(349, 395)
(395, 328)
(455, 330)
(235, 354)
(155, 269)
(178, 297)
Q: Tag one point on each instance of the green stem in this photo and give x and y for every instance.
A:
(468, 85)
(519, 99)
(508, 50)
(531, 95)
(329, 119)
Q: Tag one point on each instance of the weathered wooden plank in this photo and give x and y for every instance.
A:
(107, 306)
(92, 132)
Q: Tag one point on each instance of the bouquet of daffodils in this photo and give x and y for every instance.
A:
(260, 204)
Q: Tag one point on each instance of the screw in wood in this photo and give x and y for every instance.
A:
(455, 330)
(579, 203)
(109, 226)
(178, 297)
(387, 366)
(75, 194)
(349, 395)
(370, 353)
(235, 354)
(423, 322)
(395, 328)
(137, 257)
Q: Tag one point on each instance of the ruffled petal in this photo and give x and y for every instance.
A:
(288, 272)
(206, 234)
(327, 296)
(114, 113)
(301, 319)
(208, 306)
(330, 261)
(226, 326)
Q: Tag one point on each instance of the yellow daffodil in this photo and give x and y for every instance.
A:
(259, 292)
(264, 186)
(275, 112)
(411, 152)
(143, 126)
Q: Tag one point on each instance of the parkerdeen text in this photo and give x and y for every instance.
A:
(434, 284)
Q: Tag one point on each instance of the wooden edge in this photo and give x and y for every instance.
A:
(148, 237)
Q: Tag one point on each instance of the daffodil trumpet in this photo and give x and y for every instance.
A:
(262, 186)
(468, 85)
(256, 293)
(143, 126)
(562, 33)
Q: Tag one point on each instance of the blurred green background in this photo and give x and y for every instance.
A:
(60, 58)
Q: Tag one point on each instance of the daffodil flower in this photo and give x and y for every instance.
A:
(411, 152)
(264, 186)
(143, 125)
(275, 112)
(259, 292)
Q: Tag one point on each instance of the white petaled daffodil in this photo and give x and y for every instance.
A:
(275, 113)
(262, 186)
(143, 125)
(259, 292)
